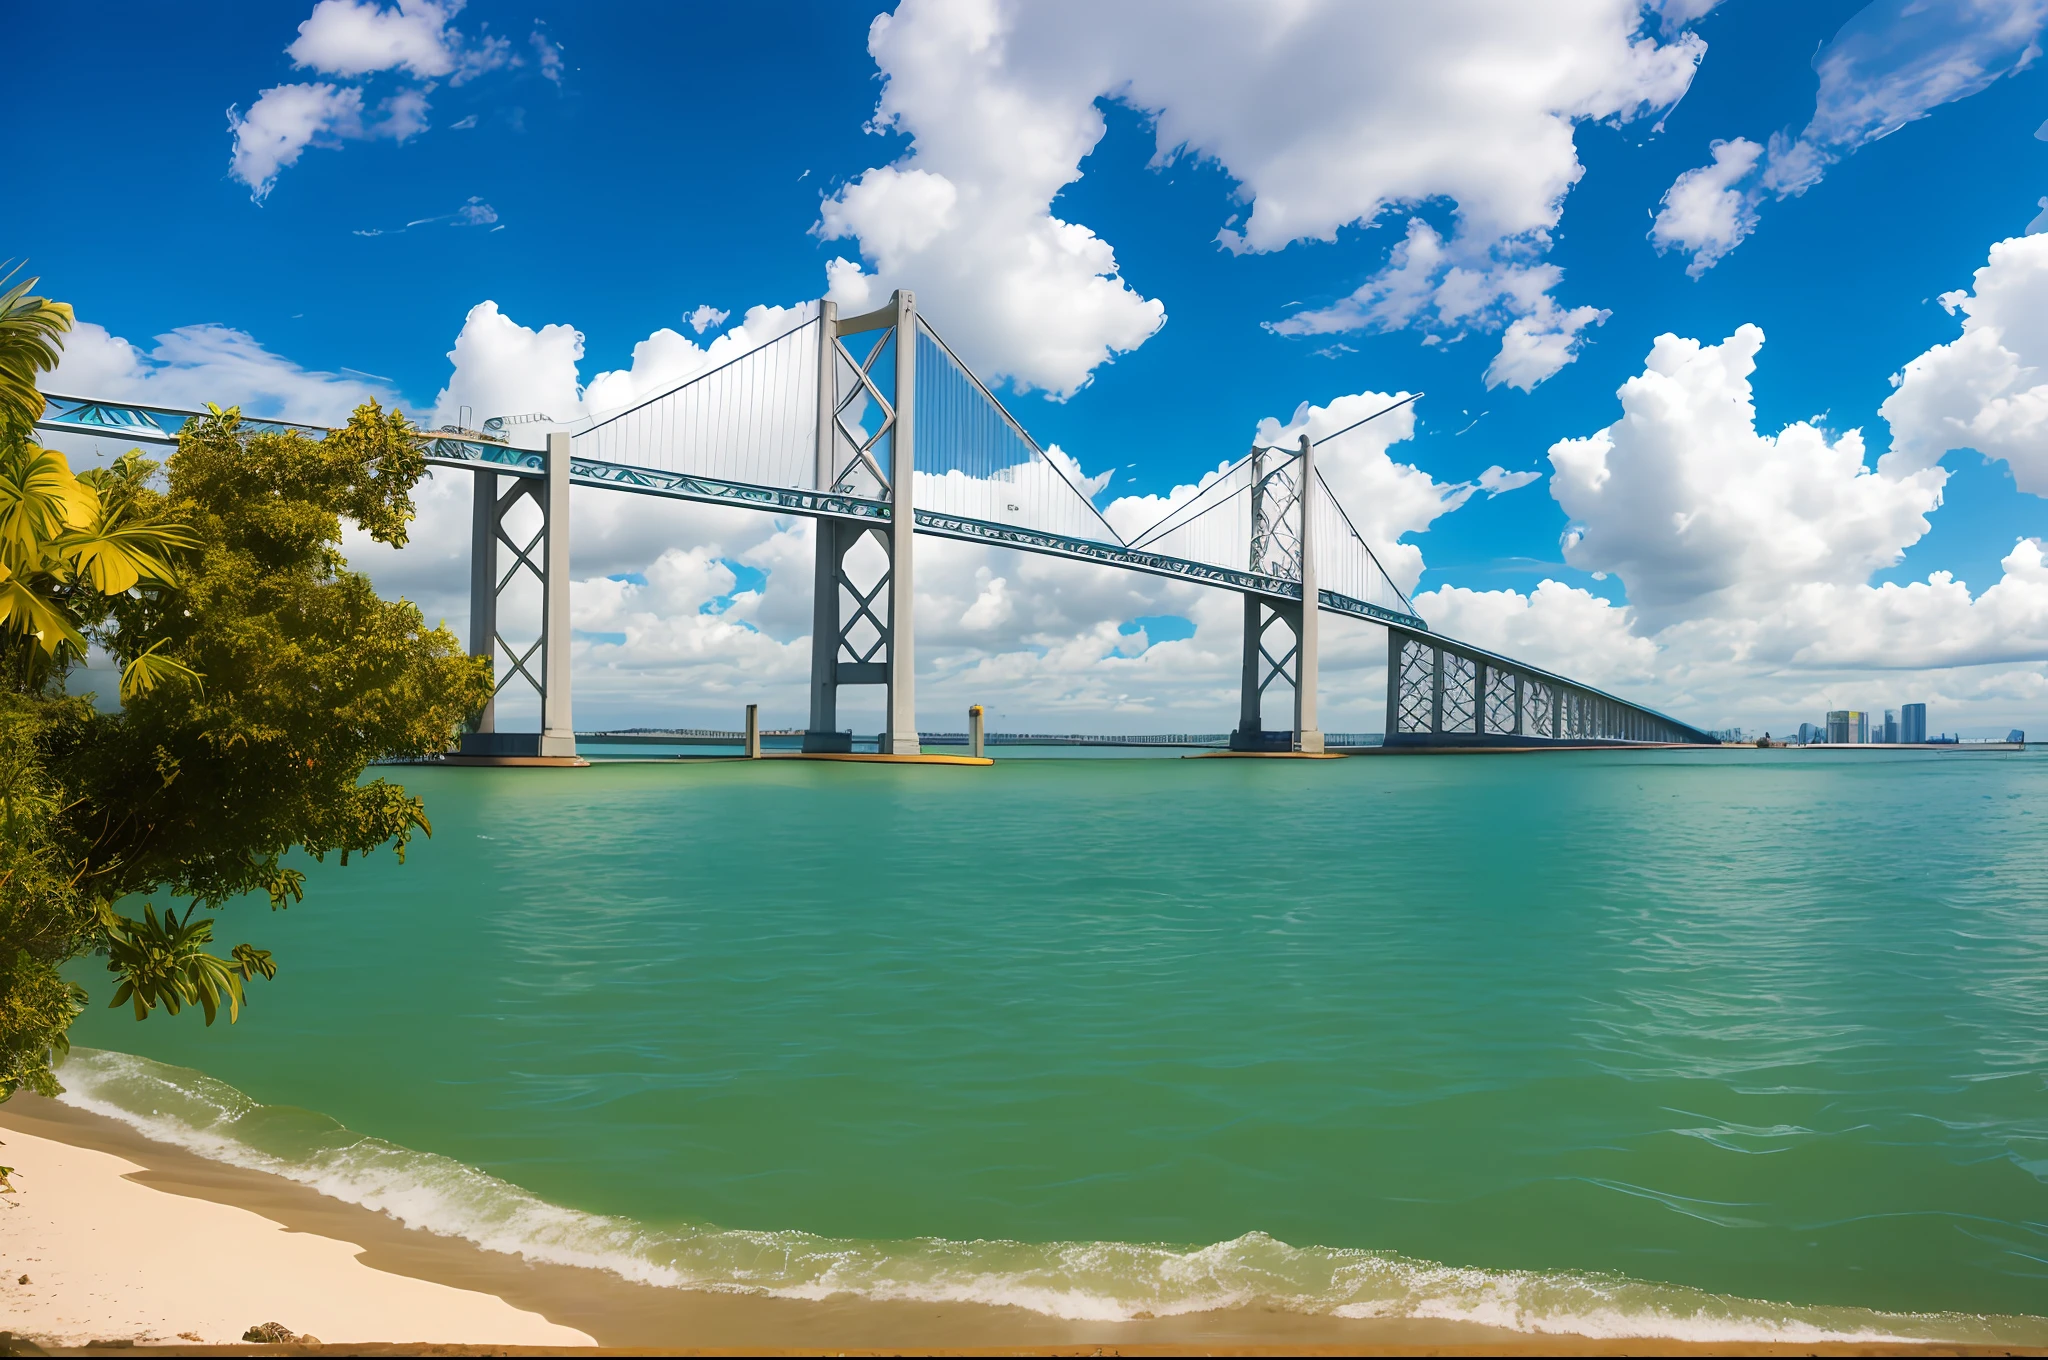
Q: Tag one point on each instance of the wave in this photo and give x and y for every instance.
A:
(1082, 1281)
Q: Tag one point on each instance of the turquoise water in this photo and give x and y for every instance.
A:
(1627, 1042)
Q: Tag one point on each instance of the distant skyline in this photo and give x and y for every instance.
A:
(1729, 317)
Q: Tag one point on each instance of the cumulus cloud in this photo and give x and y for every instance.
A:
(705, 317)
(1325, 114)
(1893, 63)
(1746, 557)
(1988, 389)
(1697, 510)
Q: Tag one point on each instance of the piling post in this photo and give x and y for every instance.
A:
(974, 734)
(753, 731)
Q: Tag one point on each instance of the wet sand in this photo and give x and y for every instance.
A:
(620, 1314)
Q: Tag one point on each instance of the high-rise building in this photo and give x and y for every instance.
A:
(1913, 722)
(1891, 725)
(1808, 734)
(1848, 726)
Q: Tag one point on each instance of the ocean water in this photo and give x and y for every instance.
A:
(1711, 1044)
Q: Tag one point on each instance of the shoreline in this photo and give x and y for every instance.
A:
(396, 1284)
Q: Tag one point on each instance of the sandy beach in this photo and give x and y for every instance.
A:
(124, 1239)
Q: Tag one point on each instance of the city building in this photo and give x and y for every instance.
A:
(1891, 725)
(1809, 733)
(1848, 726)
(1913, 722)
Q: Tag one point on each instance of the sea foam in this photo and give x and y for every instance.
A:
(1082, 1281)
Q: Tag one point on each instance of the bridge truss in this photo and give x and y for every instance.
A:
(863, 423)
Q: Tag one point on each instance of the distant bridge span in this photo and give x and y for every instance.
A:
(850, 422)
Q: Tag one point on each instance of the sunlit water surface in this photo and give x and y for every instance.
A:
(1713, 1044)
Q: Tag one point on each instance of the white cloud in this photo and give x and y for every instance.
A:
(286, 119)
(548, 54)
(1988, 389)
(193, 365)
(352, 38)
(1747, 558)
(502, 368)
(1536, 346)
(1497, 480)
(1697, 510)
(1894, 62)
(1554, 626)
(1326, 115)
(280, 125)
(1702, 213)
(705, 317)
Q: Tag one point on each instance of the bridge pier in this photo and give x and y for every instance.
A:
(841, 651)
(1283, 541)
(544, 664)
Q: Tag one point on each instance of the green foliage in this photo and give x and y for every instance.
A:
(44, 918)
(260, 676)
(165, 963)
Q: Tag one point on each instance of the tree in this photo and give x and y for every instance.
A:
(260, 677)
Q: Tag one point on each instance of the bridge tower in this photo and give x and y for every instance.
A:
(863, 635)
(1283, 547)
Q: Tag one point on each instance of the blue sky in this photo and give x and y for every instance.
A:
(613, 169)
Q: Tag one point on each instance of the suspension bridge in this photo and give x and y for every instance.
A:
(872, 427)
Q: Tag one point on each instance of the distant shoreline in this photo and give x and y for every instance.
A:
(471, 1297)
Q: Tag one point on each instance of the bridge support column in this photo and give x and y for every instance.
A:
(1298, 665)
(483, 583)
(900, 739)
(1308, 736)
(544, 663)
(842, 653)
(557, 725)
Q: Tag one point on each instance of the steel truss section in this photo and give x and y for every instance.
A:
(1445, 693)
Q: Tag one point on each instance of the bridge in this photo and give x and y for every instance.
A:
(870, 425)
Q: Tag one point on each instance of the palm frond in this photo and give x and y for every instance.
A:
(153, 668)
(31, 338)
